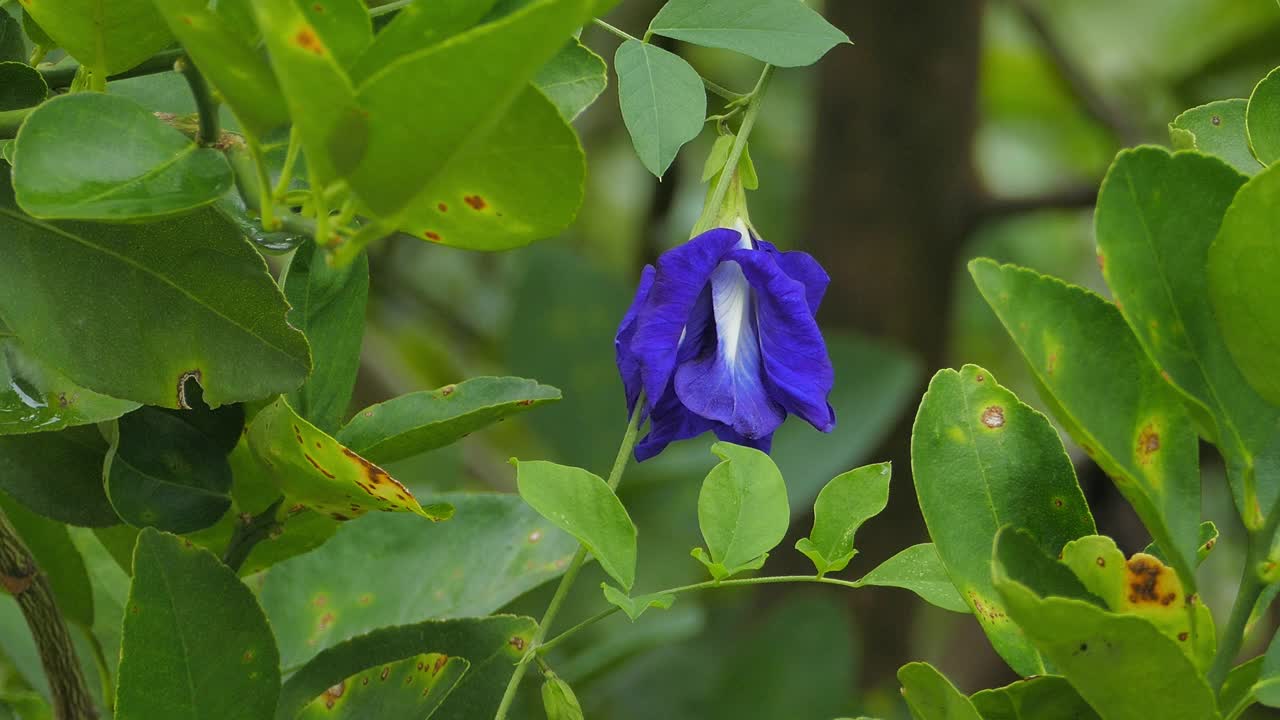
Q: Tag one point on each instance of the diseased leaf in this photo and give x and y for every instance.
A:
(663, 102)
(786, 33)
(415, 423)
(634, 607)
(1022, 561)
(108, 37)
(344, 24)
(409, 689)
(1217, 128)
(843, 505)
(315, 471)
(188, 299)
(584, 506)
(1262, 119)
(1208, 540)
(982, 459)
(573, 79)
(58, 475)
(21, 86)
(196, 645)
(931, 696)
(328, 306)
(920, 570)
(497, 550)
(742, 510)
(418, 26)
(492, 645)
(1105, 391)
(94, 156)
(36, 398)
(1045, 697)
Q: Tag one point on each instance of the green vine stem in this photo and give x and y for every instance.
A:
(250, 186)
(206, 104)
(290, 161)
(570, 575)
(60, 76)
(754, 100)
(21, 578)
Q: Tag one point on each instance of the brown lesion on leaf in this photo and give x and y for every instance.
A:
(517, 642)
(385, 672)
(447, 390)
(335, 692)
(475, 202)
(1053, 363)
(984, 610)
(1148, 443)
(195, 375)
(376, 476)
(1149, 581)
(317, 466)
(309, 41)
(993, 417)
(440, 662)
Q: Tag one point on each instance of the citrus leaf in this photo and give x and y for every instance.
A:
(108, 37)
(1217, 128)
(58, 475)
(409, 689)
(930, 696)
(36, 398)
(573, 79)
(1261, 119)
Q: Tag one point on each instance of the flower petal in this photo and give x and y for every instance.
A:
(726, 382)
(628, 363)
(802, 267)
(668, 422)
(682, 274)
(797, 368)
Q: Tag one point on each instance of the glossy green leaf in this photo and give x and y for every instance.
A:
(69, 163)
(1106, 657)
(1217, 128)
(1237, 690)
(317, 472)
(58, 475)
(415, 423)
(583, 505)
(36, 398)
(843, 505)
(12, 45)
(409, 689)
(1208, 540)
(1157, 216)
(1021, 559)
(492, 645)
(108, 37)
(405, 158)
(559, 700)
(417, 26)
(196, 645)
(35, 33)
(58, 560)
(398, 569)
(742, 509)
(1263, 119)
(1046, 697)
(634, 607)
(164, 472)
(982, 459)
(1267, 687)
(663, 102)
(931, 696)
(21, 86)
(328, 306)
(573, 79)
(786, 33)
(1243, 267)
(920, 570)
(1108, 395)
(221, 323)
(229, 58)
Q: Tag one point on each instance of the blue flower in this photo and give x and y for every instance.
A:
(722, 337)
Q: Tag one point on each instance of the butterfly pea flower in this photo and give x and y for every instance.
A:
(721, 336)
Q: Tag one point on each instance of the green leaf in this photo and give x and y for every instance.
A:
(1108, 395)
(1237, 690)
(397, 569)
(1267, 688)
(409, 689)
(742, 509)
(982, 459)
(328, 306)
(663, 102)
(634, 607)
(418, 26)
(1022, 560)
(196, 644)
(1106, 657)
(1157, 216)
(70, 164)
(21, 86)
(1217, 128)
(108, 37)
(920, 570)
(573, 79)
(558, 699)
(584, 506)
(1045, 697)
(931, 696)
(316, 471)
(36, 398)
(415, 423)
(58, 475)
(1208, 540)
(58, 560)
(12, 45)
(344, 24)
(221, 323)
(843, 505)
(1243, 267)
(162, 471)
(229, 58)
(786, 33)
(491, 644)
(1263, 119)
(35, 33)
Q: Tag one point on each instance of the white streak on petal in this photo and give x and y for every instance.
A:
(732, 303)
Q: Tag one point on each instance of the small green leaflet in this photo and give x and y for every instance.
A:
(742, 510)
(663, 102)
(786, 33)
(843, 505)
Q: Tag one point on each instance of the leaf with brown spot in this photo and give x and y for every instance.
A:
(409, 689)
(330, 479)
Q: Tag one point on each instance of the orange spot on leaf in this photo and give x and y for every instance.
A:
(476, 202)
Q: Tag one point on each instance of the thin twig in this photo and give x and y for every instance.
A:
(251, 530)
(713, 88)
(206, 105)
(60, 76)
(1076, 197)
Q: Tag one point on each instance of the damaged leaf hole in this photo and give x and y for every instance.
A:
(993, 417)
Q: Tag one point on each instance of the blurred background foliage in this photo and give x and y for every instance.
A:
(951, 129)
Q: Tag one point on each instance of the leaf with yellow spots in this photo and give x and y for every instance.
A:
(410, 689)
(1143, 586)
(315, 471)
